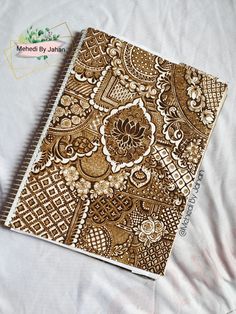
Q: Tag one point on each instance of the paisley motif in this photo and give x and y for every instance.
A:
(140, 176)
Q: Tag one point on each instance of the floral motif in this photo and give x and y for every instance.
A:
(67, 100)
(59, 112)
(150, 231)
(128, 133)
(118, 181)
(71, 175)
(83, 187)
(66, 123)
(197, 101)
(104, 187)
(192, 154)
(193, 151)
(207, 117)
(192, 76)
(194, 92)
(100, 188)
(70, 112)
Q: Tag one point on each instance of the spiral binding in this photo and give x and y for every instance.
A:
(41, 125)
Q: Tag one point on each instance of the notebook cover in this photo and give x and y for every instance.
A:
(117, 158)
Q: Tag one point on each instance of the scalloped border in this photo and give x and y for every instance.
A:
(117, 166)
(95, 89)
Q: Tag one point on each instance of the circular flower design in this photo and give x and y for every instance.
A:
(75, 120)
(66, 123)
(70, 112)
(148, 226)
(76, 109)
(207, 117)
(102, 187)
(59, 112)
(128, 133)
(84, 104)
(66, 100)
(71, 175)
(193, 151)
(118, 181)
(151, 230)
(83, 187)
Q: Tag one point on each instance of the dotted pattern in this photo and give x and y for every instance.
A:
(140, 64)
(213, 92)
(143, 61)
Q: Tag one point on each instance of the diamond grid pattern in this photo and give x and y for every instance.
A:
(136, 218)
(217, 90)
(181, 176)
(154, 258)
(170, 219)
(105, 208)
(46, 207)
(97, 239)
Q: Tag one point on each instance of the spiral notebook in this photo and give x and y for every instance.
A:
(115, 161)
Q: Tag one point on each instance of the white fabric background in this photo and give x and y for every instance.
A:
(37, 277)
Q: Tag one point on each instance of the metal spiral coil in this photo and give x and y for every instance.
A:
(31, 147)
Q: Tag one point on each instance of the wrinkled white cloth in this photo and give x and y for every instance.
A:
(41, 278)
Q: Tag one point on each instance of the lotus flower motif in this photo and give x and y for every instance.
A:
(128, 133)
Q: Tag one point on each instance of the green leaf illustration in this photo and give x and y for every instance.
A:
(39, 35)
